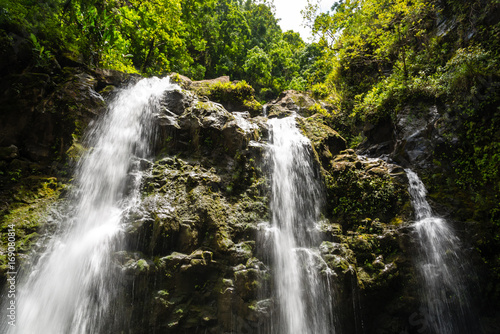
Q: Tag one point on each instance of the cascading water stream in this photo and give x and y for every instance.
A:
(446, 305)
(302, 279)
(69, 289)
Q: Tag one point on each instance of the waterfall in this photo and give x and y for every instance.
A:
(301, 277)
(446, 307)
(70, 288)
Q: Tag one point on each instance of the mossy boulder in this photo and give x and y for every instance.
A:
(234, 96)
(325, 141)
(291, 101)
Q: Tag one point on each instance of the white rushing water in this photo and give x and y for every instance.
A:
(302, 279)
(69, 289)
(446, 307)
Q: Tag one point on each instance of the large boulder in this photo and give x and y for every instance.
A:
(291, 101)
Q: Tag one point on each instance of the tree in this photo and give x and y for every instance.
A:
(154, 31)
(258, 67)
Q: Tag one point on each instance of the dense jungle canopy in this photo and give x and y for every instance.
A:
(367, 55)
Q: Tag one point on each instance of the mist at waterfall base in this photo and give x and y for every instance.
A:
(443, 268)
(70, 287)
(302, 280)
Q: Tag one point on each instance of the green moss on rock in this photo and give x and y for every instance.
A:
(32, 198)
(326, 142)
(235, 96)
(359, 189)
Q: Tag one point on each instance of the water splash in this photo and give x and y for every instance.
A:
(442, 267)
(71, 286)
(302, 279)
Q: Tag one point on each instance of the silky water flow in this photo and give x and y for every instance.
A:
(444, 273)
(69, 288)
(302, 280)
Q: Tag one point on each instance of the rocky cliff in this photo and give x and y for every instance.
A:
(192, 261)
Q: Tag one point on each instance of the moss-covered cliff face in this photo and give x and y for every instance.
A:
(195, 261)
(192, 262)
(452, 144)
(191, 258)
(367, 239)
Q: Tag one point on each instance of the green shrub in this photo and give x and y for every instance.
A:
(240, 94)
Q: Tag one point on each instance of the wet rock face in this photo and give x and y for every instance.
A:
(40, 116)
(176, 102)
(417, 136)
(210, 198)
(379, 137)
(366, 240)
(193, 126)
(192, 260)
(414, 138)
(326, 142)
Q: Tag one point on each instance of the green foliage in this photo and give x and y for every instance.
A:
(320, 91)
(382, 99)
(42, 56)
(317, 109)
(466, 70)
(240, 93)
(298, 83)
(229, 91)
(258, 66)
(196, 38)
(154, 35)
